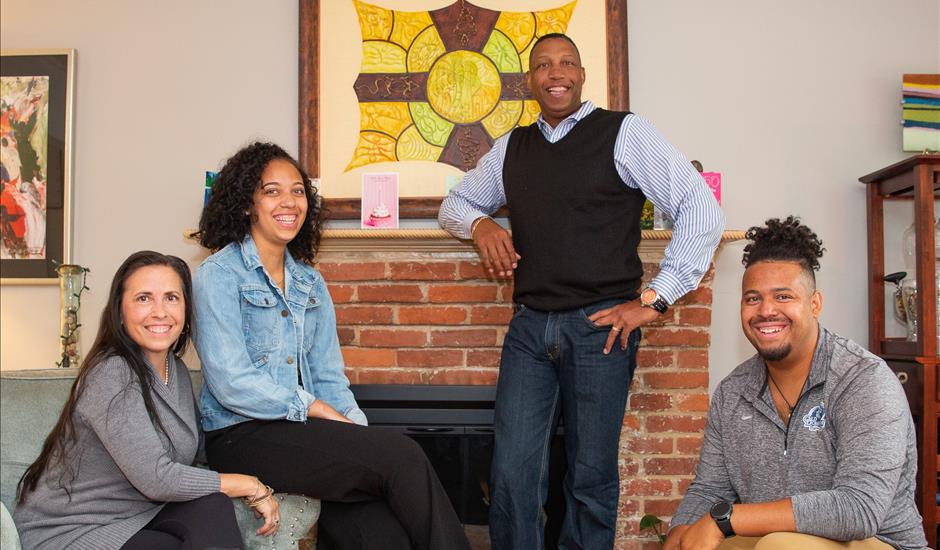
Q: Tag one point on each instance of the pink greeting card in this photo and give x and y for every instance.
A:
(379, 201)
(713, 179)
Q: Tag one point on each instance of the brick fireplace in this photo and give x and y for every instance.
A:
(419, 309)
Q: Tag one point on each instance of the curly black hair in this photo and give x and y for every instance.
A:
(224, 219)
(784, 241)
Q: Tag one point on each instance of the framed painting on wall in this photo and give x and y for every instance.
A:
(434, 83)
(921, 110)
(36, 100)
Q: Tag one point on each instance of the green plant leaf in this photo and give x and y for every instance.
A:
(649, 521)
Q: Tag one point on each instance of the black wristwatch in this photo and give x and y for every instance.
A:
(651, 299)
(721, 513)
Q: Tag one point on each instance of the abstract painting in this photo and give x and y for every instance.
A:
(24, 131)
(35, 164)
(921, 112)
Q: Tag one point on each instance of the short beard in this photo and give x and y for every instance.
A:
(775, 354)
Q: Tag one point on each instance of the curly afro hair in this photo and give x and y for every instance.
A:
(784, 241)
(224, 218)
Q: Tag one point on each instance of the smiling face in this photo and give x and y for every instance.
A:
(279, 205)
(555, 78)
(153, 311)
(779, 307)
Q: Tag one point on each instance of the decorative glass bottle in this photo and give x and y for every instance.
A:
(71, 285)
(909, 284)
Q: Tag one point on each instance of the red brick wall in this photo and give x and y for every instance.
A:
(434, 318)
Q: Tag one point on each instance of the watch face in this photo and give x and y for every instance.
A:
(721, 510)
(648, 297)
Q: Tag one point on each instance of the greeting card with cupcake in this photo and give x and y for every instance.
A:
(379, 201)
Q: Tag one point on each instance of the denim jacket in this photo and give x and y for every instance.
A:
(255, 341)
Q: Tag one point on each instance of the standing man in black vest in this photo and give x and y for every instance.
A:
(575, 183)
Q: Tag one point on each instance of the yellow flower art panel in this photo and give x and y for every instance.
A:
(442, 85)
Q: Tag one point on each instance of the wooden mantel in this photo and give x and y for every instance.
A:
(439, 240)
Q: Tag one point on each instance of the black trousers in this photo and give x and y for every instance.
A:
(378, 489)
(206, 522)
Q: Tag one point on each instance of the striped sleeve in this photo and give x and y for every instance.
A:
(479, 194)
(645, 160)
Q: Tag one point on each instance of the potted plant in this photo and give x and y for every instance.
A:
(652, 525)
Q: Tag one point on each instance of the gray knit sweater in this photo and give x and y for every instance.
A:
(125, 469)
(847, 459)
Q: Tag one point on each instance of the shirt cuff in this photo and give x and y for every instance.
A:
(690, 510)
(467, 223)
(297, 411)
(668, 287)
(810, 516)
(196, 482)
(357, 416)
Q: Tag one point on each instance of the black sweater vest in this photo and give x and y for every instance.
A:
(575, 222)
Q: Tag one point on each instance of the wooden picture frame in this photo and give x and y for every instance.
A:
(36, 134)
(422, 207)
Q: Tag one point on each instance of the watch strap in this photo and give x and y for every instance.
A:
(659, 304)
(724, 524)
(721, 514)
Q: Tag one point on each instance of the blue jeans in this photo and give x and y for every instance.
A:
(553, 365)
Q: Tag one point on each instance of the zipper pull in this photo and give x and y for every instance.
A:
(784, 452)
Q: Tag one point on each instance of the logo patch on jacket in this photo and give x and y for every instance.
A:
(815, 419)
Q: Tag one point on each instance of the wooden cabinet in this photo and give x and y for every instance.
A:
(916, 179)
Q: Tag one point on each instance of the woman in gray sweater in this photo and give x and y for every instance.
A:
(116, 471)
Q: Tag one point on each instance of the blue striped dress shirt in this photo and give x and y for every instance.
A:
(644, 160)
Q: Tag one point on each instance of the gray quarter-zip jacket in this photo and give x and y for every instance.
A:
(847, 459)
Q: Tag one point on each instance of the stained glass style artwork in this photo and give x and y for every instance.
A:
(442, 85)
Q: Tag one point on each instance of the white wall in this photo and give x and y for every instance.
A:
(164, 91)
(791, 101)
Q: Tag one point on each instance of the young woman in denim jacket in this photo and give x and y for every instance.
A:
(276, 402)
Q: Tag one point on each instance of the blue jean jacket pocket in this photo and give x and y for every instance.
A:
(259, 320)
(312, 313)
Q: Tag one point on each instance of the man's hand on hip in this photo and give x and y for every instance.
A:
(495, 247)
(623, 319)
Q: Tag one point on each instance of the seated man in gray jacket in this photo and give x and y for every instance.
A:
(808, 442)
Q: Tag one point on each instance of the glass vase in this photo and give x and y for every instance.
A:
(71, 283)
(909, 298)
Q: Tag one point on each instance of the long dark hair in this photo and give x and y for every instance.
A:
(112, 340)
(225, 218)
